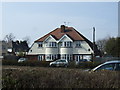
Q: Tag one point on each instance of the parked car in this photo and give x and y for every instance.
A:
(59, 62)
(22, 59)
(113, 65)
(82, 61)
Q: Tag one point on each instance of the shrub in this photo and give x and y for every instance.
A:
(9, 62)
(40, 77)
(72, 64)
(87, 65)
(26, 63)
(34, 63)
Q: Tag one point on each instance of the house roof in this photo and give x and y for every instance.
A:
(20, 46)
(71, 33)
(57, 34)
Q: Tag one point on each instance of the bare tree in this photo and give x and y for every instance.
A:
(101, 45)
(10, 37)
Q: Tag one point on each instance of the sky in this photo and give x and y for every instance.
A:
(35, 19)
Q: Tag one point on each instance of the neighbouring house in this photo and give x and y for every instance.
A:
(13, 48)
(20, 48)
(62, 43)
(3, 48)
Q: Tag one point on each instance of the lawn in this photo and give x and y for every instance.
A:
(47, 77)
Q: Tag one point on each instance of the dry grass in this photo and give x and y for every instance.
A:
(41, 77)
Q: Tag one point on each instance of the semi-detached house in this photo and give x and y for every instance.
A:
(62, 43)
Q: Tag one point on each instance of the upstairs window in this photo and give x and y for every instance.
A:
(66, 44)
(78, 44)
(51, 44)
(40, 44)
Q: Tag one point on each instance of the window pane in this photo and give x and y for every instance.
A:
(107, 67)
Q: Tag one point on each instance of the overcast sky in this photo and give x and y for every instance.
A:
(35, 19)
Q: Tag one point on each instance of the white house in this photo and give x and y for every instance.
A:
(65, 43)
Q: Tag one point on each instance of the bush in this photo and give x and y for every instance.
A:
(40, 77)
(26, 63)
(34, 63)
(72, 64)
(11, 57)
(83, 65)
(9, 62)
(87, 65)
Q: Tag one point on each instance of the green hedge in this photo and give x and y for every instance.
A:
(46, 63)
(87, 65)
(40, 77)
(26, 63)
(83, 65)
(9, 62)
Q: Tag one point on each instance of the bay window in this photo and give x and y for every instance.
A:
(51, 44)
(51, 56)
(66, 44)
(66, 56)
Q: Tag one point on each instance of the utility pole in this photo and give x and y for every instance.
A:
(93, 42)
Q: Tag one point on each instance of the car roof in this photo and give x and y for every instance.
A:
(108, 62)
(113, 61)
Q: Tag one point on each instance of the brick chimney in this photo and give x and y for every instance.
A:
(62, 28)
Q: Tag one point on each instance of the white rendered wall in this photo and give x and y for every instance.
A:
(60, 50)
(66, 50)
(51, 51)
(36, 50)
(83, 49)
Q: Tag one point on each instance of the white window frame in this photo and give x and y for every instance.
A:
(51, 57)
(40, 44)
(51, 44)
(66, 44)
(78, 44)
(66, 56)
(78, 57)
(40, 57)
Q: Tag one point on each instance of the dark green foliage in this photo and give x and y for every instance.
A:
(9, 62)
(46, 63)
(112, 46)
(26, 63)
(83, 65)
(109, 45)
(89, 65)
(39, 77)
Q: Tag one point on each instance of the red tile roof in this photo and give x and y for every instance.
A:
(57, 34)
(72, 33)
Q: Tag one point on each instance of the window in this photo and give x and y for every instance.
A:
(51, 44)
(88, 49)
(107, 67)
(30, 50)
(40, 44)
(66, 56)
(66, 44)
(51, 56)
(40, 57)
(78, 57)
(78, 44)
(118, 66)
